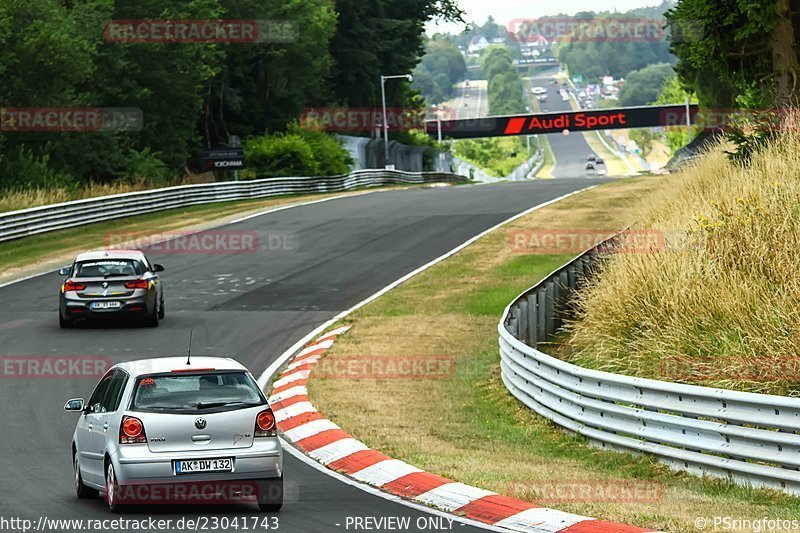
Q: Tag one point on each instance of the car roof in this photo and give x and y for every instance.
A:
(160, 365)
(110, 254)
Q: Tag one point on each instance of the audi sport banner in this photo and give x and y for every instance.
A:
(564, 122)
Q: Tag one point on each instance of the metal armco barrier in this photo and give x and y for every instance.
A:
(36, 220)
(748, 438)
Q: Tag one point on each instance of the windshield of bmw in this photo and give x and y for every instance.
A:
(218, 391)
(107, 268)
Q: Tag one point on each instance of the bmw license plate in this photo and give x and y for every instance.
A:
(106, 305)
(199, 466)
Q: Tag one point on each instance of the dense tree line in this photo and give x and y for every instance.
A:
(440, 69)
(643, 86)
(504, 82)
(53, 53)
(595, 58)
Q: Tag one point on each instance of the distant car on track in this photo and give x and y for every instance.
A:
(159, 430)
(111, 284)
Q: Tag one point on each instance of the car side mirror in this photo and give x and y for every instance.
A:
(74, 405)
(158, 268)
(64, 271)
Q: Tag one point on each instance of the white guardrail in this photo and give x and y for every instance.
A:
(36, 220)
(751, 439)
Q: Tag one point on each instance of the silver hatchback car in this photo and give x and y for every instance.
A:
(164, 431)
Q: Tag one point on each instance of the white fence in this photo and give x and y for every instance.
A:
(749, 438)
(16, 224)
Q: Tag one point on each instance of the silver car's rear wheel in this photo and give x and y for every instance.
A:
(112, 490)
(81, 490)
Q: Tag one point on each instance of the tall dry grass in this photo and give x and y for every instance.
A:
(13, 200)
(719, 305)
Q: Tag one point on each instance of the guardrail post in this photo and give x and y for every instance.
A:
(522, 331)
(571, 278)
(556, 303)
(532, 314)
(551, 326)
(564, 296)
(541, 322)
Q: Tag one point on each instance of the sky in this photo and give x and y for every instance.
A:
(506, 10)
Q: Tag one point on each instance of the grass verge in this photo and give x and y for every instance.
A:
(465, 425)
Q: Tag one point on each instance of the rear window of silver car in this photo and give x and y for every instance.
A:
(206, 392)
(104, 268)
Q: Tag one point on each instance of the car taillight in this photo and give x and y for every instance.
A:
(138, 284)
(70, 285)
(265, 424)
(131, 431)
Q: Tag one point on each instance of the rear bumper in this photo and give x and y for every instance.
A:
(133, 306)
(135, 464)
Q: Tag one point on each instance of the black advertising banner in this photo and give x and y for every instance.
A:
(542, 123)
(224, 158)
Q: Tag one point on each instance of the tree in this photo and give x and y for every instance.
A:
(726, 46)
(265, 86)
(441, 67)
(380, 37)
(642, 87)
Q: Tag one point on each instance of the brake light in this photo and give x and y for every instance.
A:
(180, 370)
(265, 424)
(138, 284)
(131, 431)
(70, 285)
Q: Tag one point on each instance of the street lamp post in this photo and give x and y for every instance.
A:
(409, 77)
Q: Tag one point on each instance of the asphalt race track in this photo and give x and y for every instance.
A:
(313, 262)
(570, 150)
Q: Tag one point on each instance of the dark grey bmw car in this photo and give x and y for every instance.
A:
(111, 284)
